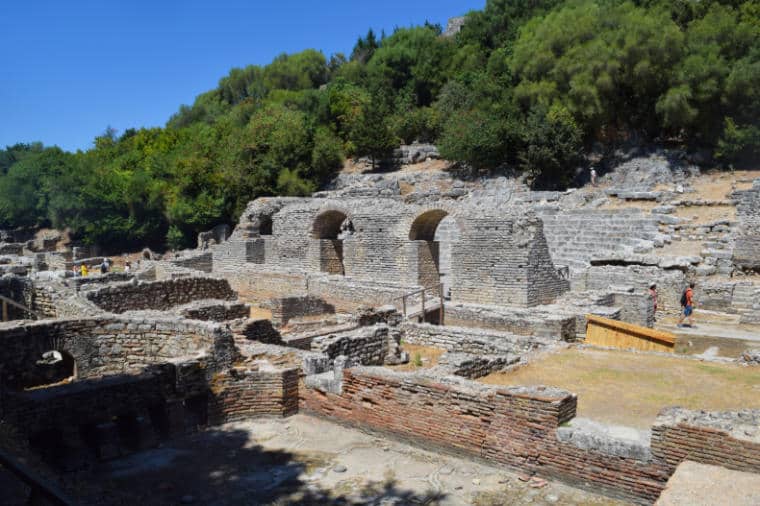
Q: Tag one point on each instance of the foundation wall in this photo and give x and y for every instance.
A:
(242, 393)
(512, 320)
(464, 340)
(103, 347)
(160, 295)
(510, 426)
(527, 428)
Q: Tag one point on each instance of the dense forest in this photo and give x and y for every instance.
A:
(529, 85)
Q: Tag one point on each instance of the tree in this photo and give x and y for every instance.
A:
(371, 134)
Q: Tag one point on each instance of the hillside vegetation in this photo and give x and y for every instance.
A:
(526, 84)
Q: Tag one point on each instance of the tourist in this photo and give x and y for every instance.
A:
(104, 266)
(593, 177)
(687, 302)
(127, 266)
(83, 270)
(75, 270)
(653, 294)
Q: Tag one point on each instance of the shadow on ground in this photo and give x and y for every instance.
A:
(222, 468)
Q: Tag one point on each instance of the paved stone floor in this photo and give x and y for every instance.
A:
(305, 460)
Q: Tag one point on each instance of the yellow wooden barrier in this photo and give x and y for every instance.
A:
(605, 332)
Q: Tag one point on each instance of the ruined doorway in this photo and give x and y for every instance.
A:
(331, 228)
(53, 367)
(434, 232)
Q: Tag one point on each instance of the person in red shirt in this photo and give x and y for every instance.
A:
(687, 302)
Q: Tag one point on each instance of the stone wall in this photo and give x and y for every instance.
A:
(255, 283)
(160, 295)
(636, 308)
(365, 346)
(504, 262)
(519, 321)
(109, 346)
(576, 236)
(202, 262)
(500, 257)
(347, 295)
(747, 246)
(218, 311)
(20, 290)
(467, 340)
(670, 282)
(285, 309)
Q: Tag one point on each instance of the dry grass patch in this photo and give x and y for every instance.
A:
(705, 214)
(260, 313)
(627, 388)
(680, 248)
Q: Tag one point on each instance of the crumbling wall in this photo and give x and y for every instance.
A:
(365, 346)
(20, 290)
(728, 439)
(160, 295)
(216, 311)
(467, 340)
(521, 321)
(285, 309)
(251, 391)
(747, 246)
(110, 346)
(202, 262)
(533, 429)
(513, 426)
(670, 282)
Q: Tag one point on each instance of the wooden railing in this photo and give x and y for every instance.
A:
(41, 491)
(10, 302)
(408, 309)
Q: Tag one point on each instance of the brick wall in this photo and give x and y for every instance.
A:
(247, 392)
(730, 440)
(512, 426)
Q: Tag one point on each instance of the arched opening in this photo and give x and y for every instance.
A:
(52, 368)
(434, 232)
(265, 225)
(330, 229)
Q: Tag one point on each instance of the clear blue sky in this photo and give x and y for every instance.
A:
(70, 68)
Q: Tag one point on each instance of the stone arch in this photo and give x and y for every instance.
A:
(53, 366)
(433, 248)
(425, 224)
(328, 223)
(329, 229)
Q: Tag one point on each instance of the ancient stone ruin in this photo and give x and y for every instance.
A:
(404, 304)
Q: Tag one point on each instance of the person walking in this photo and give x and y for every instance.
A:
(83, 270)
(653, 294)
(687, 303)
(593, 177)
